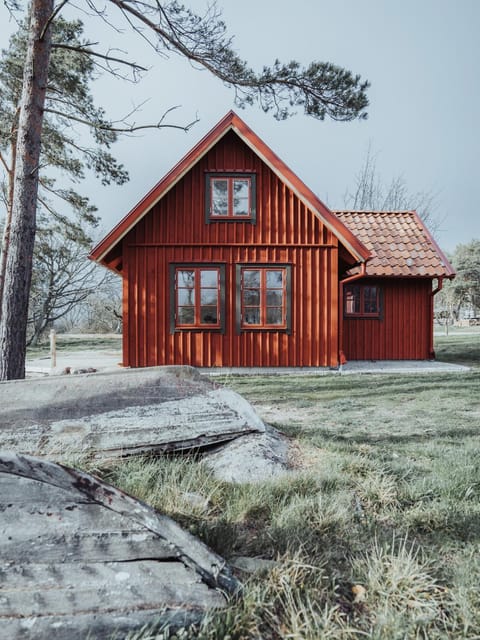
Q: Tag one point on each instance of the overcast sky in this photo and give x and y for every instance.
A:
(422, 58)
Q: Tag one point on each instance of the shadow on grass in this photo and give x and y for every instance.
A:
(439, 529)
(334, 546)
(459, 349)
(301, 391)
(391, 438)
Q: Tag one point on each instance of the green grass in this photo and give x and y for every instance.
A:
(459, 347)
(78, 342)
(375, 534)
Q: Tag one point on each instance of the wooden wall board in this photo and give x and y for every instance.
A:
(80, 556)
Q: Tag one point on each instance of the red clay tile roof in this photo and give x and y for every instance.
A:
(399, 242)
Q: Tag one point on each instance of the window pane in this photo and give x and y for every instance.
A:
(186, 297)
(208, 296)
(274, 315)
(251, 278)
(274, 279)
(208, 315)
(186, 278)
(251, 315)
(251, 297)
(186, 315)
(274, 298)
(241, 192)
(352, 299)
(197, 297)
(263, 297)
(208, 278)
(370, 300)
(219, 196)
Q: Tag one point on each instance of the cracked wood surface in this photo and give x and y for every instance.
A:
(79, 556)
(130, 412)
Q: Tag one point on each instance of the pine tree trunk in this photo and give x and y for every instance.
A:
(18, 273)
(8, 216)
(5, 241)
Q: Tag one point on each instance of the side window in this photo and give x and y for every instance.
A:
(362, 300)
(263, 297)
(230, 197)
(197, 297)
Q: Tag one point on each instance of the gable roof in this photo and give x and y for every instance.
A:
(399, 242)
(231, 121)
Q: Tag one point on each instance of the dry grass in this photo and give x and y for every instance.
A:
(377, 532)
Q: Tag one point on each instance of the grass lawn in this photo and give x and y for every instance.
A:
(461, 346)
(376, 533)
(78, 342)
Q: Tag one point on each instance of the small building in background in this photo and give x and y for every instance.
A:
(232, 261)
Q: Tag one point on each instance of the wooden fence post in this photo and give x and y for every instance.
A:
(53, 348)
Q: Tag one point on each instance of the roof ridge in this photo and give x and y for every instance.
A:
(379, 211)
(231, 122)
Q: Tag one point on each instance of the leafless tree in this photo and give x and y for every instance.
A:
(62, 279)
(371, 193)
(102, 310)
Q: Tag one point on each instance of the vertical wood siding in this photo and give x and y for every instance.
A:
(402, 333)
(174, 231)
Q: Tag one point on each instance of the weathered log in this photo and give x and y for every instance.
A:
(79, 556)
(119, 414)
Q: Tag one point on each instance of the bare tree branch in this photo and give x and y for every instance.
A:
(4, 162)
(99, 13)
(108, 57)
(372, 193)
(55, 13)
(128, 128)
(45, 204)
(12, 6)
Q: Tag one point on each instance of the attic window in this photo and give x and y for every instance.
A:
(230, 196)
(362, 300)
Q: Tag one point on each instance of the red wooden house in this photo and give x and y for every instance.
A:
(231, 260)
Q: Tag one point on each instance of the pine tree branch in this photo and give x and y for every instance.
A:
(86, 151)
(175, 42)
(46, 205)
(55, 95)
(321, 88)
(109, 58)
(128, 128)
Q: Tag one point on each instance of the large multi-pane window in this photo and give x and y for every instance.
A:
(198, 293)
(230, 196)
(263, 297)
(197, 297)
(362, 300)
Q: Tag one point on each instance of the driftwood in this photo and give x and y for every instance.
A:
(107, 415)
(79, 556)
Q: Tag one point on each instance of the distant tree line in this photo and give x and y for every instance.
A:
(462, 294)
